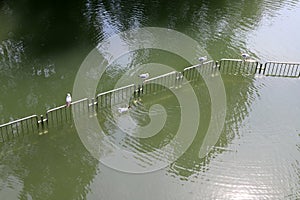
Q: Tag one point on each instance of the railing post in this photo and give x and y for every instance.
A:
(37, 122)
(264, 69)
(97, 103)
(139, 91)
(134, 93)
(180, 78)
(218, 66)
(42, 121)
(93, 104)
(47, 118)
(260, 67)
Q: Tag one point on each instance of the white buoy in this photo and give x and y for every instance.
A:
(68, 99)
(144, 76)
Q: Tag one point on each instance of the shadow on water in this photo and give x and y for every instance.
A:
(220, 26)
(48, 26)
(51, 166)
(240, 93)
(135, 63)
(42, 44)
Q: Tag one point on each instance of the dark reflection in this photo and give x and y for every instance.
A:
(140, 114)
(240, 92)
(37, 56)
(52, 26)
(53, 166)
(131, 63)
(47, 26)
(220, 26)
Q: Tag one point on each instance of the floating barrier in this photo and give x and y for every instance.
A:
(18, 127)
(174, 79)
(282, 69)
(115, 96)
(195, 72)
(237, 66)
(63, 113)
(160, 83)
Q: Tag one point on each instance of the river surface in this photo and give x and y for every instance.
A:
(42, 45)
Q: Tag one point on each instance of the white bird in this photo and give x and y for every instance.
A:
(245, 56)
(144, 76)
(68, 99)
(202, 59)
(124, 109)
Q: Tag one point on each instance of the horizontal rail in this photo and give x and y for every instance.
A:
(63, 106)
(160, 76)
(191, 67)
(290, 63)
(56, 108)
(79, 101)
(238, 60)
(198, 65)
(114, 90)
(19, 120)
(229, 59)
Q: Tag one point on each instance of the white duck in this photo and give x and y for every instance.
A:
(144, 76)
(245, 56)
(202, 59)
(68, 99)
(123, 109)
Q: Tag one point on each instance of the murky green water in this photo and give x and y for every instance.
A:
(42, 45)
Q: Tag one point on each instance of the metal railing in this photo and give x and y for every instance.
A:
(237, 66)
(195, 72)
(248, 67)
(62, 113)
(169, 80)
(114, 96)
(16, 128)
(160, 83)
(282, 69)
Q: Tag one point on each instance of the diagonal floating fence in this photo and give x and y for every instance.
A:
(251, 67)
(197, 71)
(63, 113)
(174, 79)
(19, 127)
(115, 96)
(160, 83)
(282, 69)
(236, 66)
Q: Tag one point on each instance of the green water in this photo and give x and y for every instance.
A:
(42, 45)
